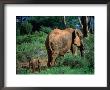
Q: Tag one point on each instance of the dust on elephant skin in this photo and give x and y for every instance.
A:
(58, 42)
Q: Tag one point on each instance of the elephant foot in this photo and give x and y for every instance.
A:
(49, 64)
(75, 54)
(53, 63)
(68, 51)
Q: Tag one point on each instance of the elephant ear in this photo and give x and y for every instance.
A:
(77, 41)
(79, 34)
(76, 38)
(73, 36)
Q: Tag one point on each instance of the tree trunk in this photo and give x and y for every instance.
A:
(64, 21)
(84, 24)
(80, 22)
(91, 24)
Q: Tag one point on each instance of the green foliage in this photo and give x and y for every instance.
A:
(18, 26)
(44, 23)
(23, 71)
(69, 64)
(72, 21)
(89, 51)
(25, 39)
(18, 32)
(45, 29)
(30, 45)
(30, 42)
(26, 28)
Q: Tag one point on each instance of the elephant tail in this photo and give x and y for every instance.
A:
(50, 45)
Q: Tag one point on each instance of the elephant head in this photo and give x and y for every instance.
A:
(78, 41)
(58, 42)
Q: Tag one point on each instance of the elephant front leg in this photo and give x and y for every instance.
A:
(81, 51)
(74, 49)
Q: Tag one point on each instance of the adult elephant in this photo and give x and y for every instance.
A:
(58, 42)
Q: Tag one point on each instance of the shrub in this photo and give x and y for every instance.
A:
(30, 45)
(17, 32)
(33, 46)
(45, 29)
(23, 71)
(26, 28)
(26, 39)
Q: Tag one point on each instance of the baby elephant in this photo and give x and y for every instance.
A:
(38, 64)
(23, 64)
(58, 42)
(34, 64)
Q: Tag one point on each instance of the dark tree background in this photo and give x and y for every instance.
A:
(31, 24)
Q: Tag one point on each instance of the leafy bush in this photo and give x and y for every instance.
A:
(30, 45)
(45, 29)
(23, 71)
(26, 28)
(89, 52)
(33, 46)
(23, 39)
(26, 39)
(17, 32)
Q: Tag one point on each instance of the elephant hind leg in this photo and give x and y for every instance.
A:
(49, 58)
(54, 56)
(76, 50)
